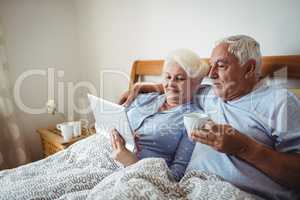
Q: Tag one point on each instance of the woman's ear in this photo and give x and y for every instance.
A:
(250, 67)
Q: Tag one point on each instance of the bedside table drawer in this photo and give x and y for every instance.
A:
(53, 142)
(50, 148)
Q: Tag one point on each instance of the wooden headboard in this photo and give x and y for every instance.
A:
(270, 64)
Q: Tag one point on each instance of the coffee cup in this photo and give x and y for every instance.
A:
(194, 121)
(76, 128)
(66, 129)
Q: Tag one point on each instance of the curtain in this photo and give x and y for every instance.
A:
(12, 146)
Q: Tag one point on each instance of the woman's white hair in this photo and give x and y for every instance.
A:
(189, 61)
(243, 48)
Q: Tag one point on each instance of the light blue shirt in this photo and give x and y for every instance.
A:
(271, 116)
(162, 134)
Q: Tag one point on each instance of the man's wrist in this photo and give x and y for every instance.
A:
(252, 151)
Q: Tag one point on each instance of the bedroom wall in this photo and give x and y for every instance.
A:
(115, 33)
(39, 35)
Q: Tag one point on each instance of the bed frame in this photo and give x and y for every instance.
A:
(270, 64)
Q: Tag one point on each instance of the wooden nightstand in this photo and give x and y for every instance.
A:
(53, 142)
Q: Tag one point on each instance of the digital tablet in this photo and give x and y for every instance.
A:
(109, 115)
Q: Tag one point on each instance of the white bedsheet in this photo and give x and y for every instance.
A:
(86, 171)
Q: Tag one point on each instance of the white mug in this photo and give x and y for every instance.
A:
(76, 128)
(66, 129)
(194, 121)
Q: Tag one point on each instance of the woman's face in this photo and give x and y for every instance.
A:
(178, 87)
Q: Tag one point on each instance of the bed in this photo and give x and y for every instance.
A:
(86, 171)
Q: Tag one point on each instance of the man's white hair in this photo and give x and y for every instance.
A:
(243, 48)
(189, 61)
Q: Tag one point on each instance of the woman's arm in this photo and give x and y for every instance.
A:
(138, 88)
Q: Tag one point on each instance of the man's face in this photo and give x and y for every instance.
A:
(227, 75)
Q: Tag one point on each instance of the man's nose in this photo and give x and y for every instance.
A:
(213, 73)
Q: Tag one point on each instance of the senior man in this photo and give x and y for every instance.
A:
(254, 140)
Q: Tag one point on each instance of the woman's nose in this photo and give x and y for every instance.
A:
(169, 81)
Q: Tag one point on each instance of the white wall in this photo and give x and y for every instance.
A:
(83, 37)
(39, 34)
(114, 33)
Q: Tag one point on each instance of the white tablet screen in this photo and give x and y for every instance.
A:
(109, 115)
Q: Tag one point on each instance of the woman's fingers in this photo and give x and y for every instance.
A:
(119, 143)
(113, 141)
(118, 140)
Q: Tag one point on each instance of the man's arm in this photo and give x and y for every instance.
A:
(283, 168)
(138, 88)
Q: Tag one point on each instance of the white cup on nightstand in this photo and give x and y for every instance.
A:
(66, 129)
(76, 128)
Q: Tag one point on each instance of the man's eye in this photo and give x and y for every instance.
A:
(168, 77)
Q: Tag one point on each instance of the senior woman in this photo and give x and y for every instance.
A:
(157, 119)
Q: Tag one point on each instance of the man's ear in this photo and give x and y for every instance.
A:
(250, 67)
